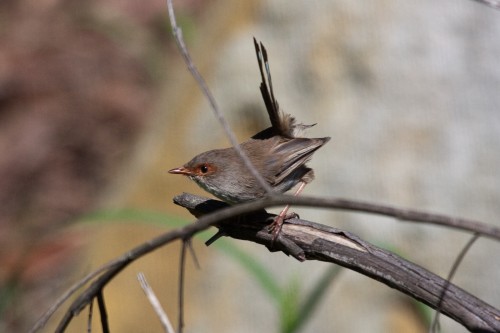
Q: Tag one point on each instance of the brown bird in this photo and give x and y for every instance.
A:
(278, 153)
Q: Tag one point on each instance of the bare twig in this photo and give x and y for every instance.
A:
(155, 303)
(177, 32)
(182, 266)
(456, 264)
(102, 312)
(402, 214)
(193, 253)
(320, 242)
(42, 321)
(89, 318)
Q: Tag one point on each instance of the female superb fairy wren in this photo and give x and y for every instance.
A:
(278, 153)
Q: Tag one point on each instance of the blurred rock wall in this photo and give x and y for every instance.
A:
(408, 91)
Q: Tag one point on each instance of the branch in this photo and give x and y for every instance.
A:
(402, 214)
(199, 206)
(435, 321)
(99, 278)
(155, 303)
(177, 32)
(318, 242)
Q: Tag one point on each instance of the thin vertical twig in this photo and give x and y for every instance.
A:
(193, 253)
(177, 32)
(102, 312)
(456, 264)
(155, 303)
(89, 319)
(182, 266)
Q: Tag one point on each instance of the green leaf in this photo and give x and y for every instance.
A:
(289, 306)
(313, 299)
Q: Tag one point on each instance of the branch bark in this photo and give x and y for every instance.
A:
(311, 241)
(306, 241)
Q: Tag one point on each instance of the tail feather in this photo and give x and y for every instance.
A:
(282, 124)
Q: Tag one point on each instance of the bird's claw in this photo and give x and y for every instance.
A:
(275, 227)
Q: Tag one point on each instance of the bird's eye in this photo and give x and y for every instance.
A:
(204, 168)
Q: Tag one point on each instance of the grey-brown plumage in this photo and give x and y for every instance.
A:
(278, 153)
(281, 162)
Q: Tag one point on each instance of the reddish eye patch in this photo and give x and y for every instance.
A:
(205, 169)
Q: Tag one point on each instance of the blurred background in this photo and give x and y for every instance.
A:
(96, 105)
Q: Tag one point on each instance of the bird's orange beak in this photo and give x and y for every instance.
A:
(180, 171)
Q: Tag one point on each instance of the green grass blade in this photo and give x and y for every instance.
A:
(261, 274)
(133, 215)
(289, 307)
(314, 297)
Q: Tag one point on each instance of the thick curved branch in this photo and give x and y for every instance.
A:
(402, 214)
(306, 240)
(312, 241)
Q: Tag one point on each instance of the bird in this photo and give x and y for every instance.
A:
(279, 153)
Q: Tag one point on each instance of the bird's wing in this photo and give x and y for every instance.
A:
(294, 153)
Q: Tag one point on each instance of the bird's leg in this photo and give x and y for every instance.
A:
(275, 227)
